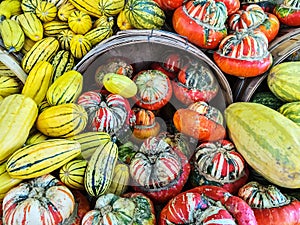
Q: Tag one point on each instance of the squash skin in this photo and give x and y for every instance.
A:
(203, 36)
(284, 81)
(258, 133)
(270, 205)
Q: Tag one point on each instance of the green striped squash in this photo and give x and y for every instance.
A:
(53, 28)
(88, 6)
(31, 25)
(42, 158)
(268, 141)
(29, 5)
(35, 136)
(43, 105)
(80, 22)
(46, 11)
(90, 141)
(43, 50)
(72, 173)
(120, 180)
(98, 34)
(111, 7)
(62, 62)
(80, 46)
(284, 81)
(100, 169)
(65, 89)
(64, 37)
(144, 14)
(63, 120)
(38, 81)
(291, 110)
(10, 85)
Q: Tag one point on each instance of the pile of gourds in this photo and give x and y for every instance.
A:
(74, 156)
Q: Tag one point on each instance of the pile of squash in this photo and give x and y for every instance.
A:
(74, 156)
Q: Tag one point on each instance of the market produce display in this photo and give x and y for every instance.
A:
(94, 131)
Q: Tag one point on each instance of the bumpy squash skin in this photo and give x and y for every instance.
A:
(262, 135)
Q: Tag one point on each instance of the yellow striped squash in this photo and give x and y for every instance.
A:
(29, 5)
(80, 46)
(31, 25)
(72, 173)
(10, 85)
(62, 62)
(80, 22)
(41, 158)
(88, 6)
(35, 136)
(6, 181)
(65, 10)
(100, 169)
(120, 180)
(38, 81)
(12, 35)
(5, 71)
(46, 11)
(65, 89)
(63, 120)
(102, 31)
(53, 28)
(17, 116)
(89, 141)
(43, 105)
(64, 37)
(111, 7)
(28, 44)
(43, 50)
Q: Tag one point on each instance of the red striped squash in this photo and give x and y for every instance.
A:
(154, 89)
(40, 201)
(244, 54)
(218, 163)
(159, 170)
(107, 113)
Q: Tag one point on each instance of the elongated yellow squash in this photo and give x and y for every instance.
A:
(41, 158)
(6, 181)
(17, 116)
(268, 141)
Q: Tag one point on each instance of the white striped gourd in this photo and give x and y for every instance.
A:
(17, 116)
(42, 158)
